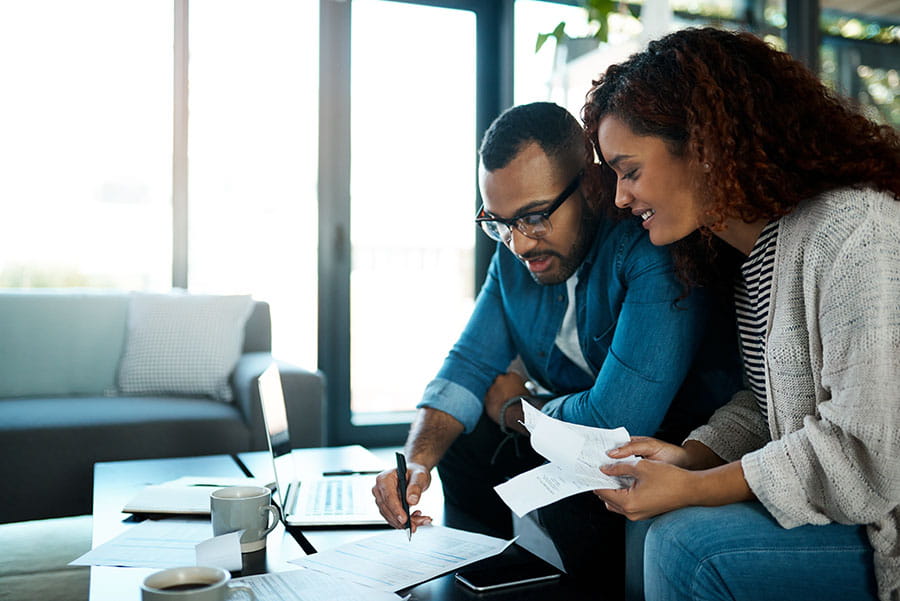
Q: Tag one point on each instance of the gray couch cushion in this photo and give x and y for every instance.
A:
(183, 344)
(49, 445)
(60, 342)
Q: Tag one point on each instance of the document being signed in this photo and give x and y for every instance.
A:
(576, 454)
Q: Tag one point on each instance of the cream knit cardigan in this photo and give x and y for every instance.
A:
(831, 449)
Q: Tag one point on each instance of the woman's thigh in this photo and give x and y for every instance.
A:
(739, 552)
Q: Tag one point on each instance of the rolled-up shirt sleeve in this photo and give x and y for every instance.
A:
(454, 399)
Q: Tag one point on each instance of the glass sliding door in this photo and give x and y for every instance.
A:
(252, 150)
(412, 198)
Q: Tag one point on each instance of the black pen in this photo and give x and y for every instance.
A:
(401, 488)
(351, 473)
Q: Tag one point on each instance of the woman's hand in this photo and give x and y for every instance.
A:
(651, 448)
(658, 487)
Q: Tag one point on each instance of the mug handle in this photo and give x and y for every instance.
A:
(241, 589)
(273, 510)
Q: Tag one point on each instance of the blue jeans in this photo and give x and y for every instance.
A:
(739, 553)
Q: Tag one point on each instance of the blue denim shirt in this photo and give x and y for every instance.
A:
(642, 346)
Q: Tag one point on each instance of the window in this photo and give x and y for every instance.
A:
(412, 197)
(252, 155)
(546, 74)
(399, 256)
(860, 57)
(562, 73)
(86, 147)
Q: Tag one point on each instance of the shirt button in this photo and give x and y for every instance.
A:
(559, 298)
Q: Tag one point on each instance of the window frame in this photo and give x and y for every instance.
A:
(494, 92)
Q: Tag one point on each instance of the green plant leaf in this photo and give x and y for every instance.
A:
(602, 34)
(599, 9)
(559, 32)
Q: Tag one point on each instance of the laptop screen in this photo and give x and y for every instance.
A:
(271, 397)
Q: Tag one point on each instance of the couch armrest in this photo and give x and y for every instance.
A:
(304, 395)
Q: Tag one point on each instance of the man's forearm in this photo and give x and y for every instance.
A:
(430, 435)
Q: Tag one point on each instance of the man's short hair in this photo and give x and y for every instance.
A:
(552, 127)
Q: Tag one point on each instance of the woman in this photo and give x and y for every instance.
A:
(792, 491)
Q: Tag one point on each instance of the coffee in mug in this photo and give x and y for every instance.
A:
(245, 508)
(192, 583)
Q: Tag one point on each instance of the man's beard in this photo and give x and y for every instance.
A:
(572, 260)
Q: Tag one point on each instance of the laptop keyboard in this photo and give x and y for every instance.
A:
(333, 496)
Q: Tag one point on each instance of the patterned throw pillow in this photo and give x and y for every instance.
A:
(182, 344)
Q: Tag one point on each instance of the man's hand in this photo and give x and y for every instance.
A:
(430, 435)
(388, 499)
(505, 387)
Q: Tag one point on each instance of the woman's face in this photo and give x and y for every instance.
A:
(652, 182)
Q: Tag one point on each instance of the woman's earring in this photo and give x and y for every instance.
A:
(706, 167)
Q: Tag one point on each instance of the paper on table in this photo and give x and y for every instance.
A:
(390, 562)
(576, 454)
(165, 544)
(185, 496)
(309, 585)
(223, 551)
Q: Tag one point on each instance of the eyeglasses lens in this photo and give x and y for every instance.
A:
(496, 230)
(534, 226)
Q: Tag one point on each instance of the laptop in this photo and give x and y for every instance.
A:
(339, 500)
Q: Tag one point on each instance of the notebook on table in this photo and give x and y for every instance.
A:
(341, 500)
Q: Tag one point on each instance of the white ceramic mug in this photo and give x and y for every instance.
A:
(244, 508)
(192, 583)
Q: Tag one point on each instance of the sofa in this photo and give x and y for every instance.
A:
(88, 376)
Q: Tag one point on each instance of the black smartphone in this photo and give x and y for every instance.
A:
(490, 578)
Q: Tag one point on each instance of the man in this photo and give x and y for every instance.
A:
(593, 312)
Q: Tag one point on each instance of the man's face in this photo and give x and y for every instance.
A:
(530, 183)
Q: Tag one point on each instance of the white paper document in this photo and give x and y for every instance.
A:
(310, 585)
(390, 562)
(576, 454)
(166, 544)
(184, 496)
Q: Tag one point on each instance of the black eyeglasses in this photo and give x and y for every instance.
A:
(534, 225)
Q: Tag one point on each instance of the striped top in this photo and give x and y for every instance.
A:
(751, 301)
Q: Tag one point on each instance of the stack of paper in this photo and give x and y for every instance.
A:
(576, 454)
(390, 562)
(309, 585)
(184, 496)
(167, 544)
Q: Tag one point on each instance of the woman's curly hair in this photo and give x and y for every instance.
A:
(766, 131)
